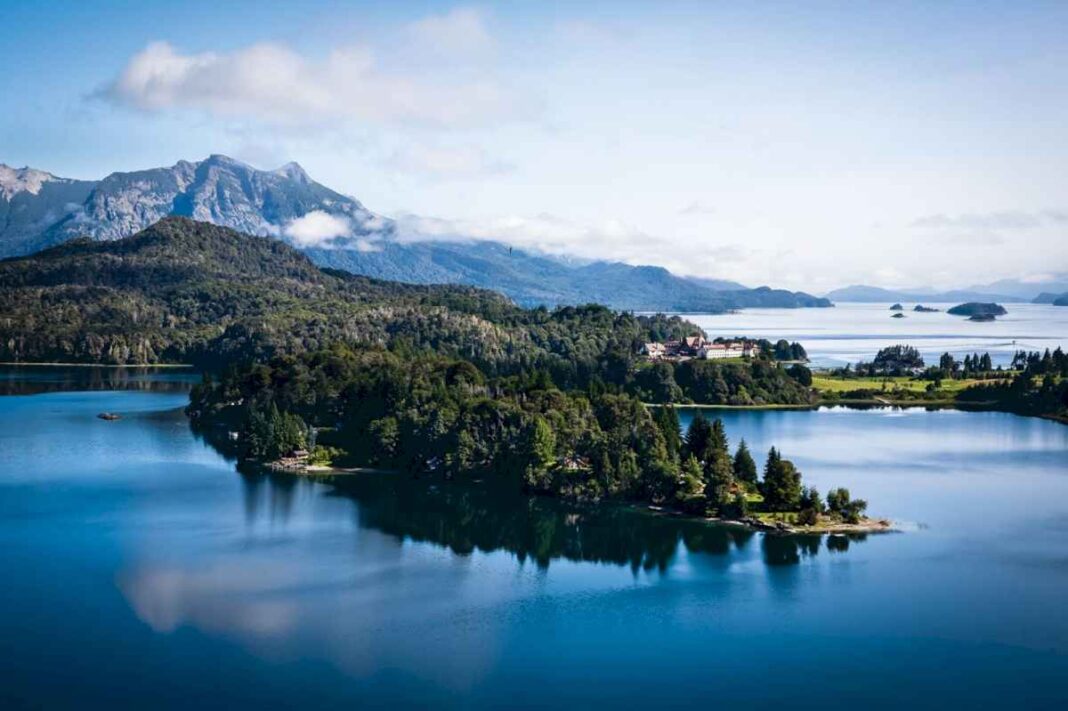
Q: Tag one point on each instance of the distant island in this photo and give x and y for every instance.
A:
(897, 315)
(920, 308)
(973, 309)
(897, 307)
(1049, 297)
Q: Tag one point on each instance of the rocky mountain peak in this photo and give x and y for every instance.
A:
(293, 171)
(17, 180)
(218, 189)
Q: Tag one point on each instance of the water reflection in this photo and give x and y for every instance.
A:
(465, 518)
(36, 379)
(267, 495)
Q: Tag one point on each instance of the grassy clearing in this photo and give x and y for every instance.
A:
(825, 383)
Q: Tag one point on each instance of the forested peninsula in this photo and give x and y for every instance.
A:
(429, 416)
(437, 380)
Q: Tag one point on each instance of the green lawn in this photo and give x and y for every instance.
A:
(830, 384)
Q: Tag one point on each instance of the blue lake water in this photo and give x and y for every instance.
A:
(851, 332)
(141, 569)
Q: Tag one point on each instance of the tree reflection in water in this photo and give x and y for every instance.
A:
(465, 517)
(37, 379)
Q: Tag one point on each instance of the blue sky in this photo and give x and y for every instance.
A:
(806, 145)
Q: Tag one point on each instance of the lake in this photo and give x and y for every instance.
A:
(141, 569)
(849, 332)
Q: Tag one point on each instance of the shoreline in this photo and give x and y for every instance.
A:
(57, 364)
(978, 405)
(751, 523)
(295, 467)
(299, 468)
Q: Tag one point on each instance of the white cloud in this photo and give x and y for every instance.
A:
(440, 161)
(271, 82)
(544, 233)
(317, 228)
(461, 31)
(1002, 220)
(697, 208)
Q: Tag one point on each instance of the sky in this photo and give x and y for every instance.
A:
(802, 145)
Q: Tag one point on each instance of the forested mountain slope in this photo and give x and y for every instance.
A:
(187, 291)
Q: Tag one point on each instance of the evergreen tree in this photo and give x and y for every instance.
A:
(667, 419)
(948, 365)
(719, 481)
(810, 499)
(782, 483)
(719, 437)
(745, 470)
(259, 433)
(699, 438)
(540, 454)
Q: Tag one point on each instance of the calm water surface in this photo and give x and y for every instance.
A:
(141, 569)
(850, 332)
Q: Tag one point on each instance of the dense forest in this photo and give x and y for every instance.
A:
(432, 415)
(1039, 386)
(185, 291)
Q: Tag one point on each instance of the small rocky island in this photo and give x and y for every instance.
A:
(897, 315)
(920, 308)
(978, 311)
(897, 307)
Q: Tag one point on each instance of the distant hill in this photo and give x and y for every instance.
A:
(187, 291)
(718, 284)
(1047, 297)
(1042, 290)
(873, 294)
(1056, 283)
(39, 210)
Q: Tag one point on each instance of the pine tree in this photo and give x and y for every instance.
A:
(719, 437)
(540, 454)
(668, 421)
(719, 481)
(699, 438)
(745, 470)
(782, 483)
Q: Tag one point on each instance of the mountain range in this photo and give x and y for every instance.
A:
(40, 210)
(1045, 290)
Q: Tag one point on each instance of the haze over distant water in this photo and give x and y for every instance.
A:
(851, 332)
